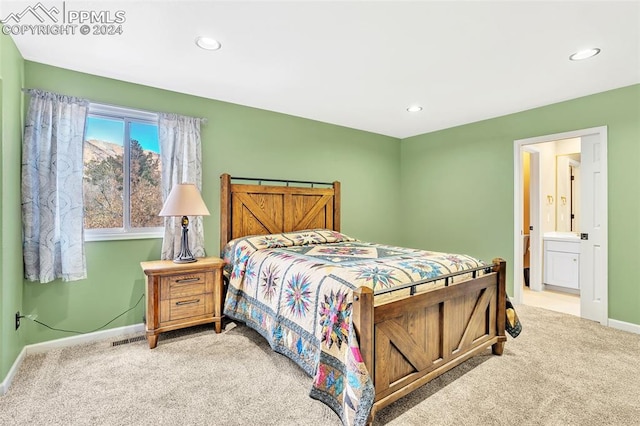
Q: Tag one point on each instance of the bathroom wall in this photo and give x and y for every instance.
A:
(548, 178)
(547, 185)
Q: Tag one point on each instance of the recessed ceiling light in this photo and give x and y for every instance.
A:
(584, 54)
(208, 43)
(414, 108)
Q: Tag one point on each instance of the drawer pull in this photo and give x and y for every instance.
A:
(187, 280)
(187, 302)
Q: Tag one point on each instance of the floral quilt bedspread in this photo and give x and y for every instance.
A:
(296, 289)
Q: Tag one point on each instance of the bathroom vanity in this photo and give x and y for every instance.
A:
(562, 259)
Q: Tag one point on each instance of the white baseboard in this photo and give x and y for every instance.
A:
(65, 342)
(84, 338)
(624, 326)
(4, 386)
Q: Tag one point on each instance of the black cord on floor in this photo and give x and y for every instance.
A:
(85, 332)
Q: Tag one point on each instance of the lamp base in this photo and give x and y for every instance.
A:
(185, 255)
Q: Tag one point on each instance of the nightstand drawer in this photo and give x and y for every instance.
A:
(185, 307)
(186, 285)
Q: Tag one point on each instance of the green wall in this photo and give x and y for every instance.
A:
(11, 79)
(457, 185)
(238, 140)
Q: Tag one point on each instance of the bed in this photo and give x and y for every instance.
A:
(366, 335)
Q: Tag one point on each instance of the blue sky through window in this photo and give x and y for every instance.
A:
(108, 130)
(146, 134)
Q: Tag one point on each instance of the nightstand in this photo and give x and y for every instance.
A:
(183, 295)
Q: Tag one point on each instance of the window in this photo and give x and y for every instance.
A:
(122, 174)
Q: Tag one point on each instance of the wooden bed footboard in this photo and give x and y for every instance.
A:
(407, 342)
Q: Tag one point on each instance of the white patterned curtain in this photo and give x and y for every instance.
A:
(52, 206)
(181, 158)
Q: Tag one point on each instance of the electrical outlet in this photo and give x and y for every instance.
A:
(17, 320)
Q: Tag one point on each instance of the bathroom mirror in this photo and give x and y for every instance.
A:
(568, 192)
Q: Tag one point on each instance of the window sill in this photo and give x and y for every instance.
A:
(115, 235)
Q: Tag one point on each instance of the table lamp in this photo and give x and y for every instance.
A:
(184, 200)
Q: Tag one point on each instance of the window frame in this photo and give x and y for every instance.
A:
(127, 115)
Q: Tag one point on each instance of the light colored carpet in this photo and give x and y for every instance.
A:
(562, 370)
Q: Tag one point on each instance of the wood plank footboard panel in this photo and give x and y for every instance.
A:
(425, 335)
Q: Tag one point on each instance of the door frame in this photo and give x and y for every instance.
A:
(518, 146)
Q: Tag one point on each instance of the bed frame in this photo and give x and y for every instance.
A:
(404, 343)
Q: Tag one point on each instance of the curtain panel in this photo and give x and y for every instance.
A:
(52, 172)
(181, 159)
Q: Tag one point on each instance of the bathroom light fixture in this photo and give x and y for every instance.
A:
(584, 54)
(208, 43)
(414, 108)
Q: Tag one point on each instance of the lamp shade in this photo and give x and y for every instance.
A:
(184, 200)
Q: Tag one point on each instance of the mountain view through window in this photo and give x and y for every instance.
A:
(122, 174)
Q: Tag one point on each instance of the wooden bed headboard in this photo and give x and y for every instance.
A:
(256, 209)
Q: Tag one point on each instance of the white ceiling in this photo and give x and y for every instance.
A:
(360, 64)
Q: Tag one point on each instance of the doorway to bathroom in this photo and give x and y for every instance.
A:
(560, 226)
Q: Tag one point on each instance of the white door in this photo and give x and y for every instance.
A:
(593, 228)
